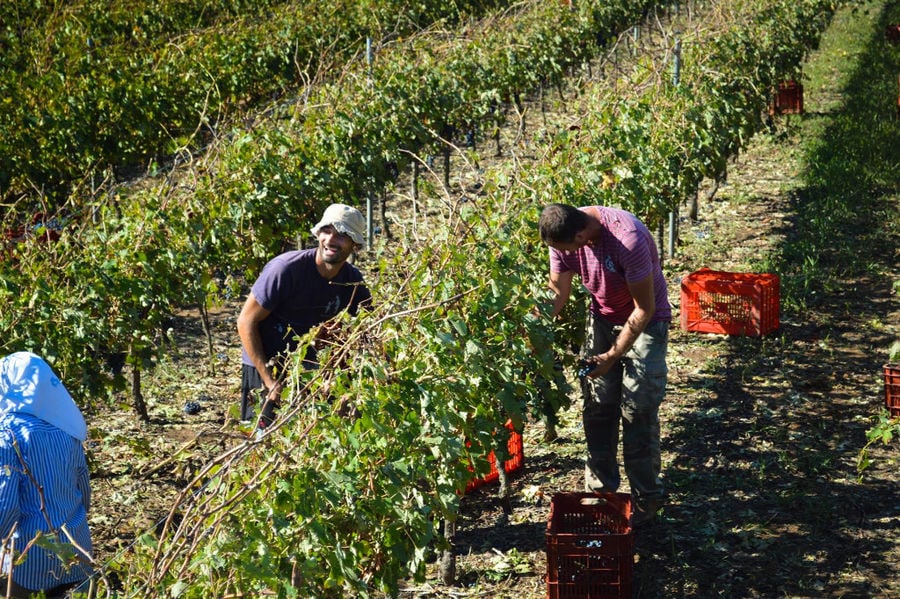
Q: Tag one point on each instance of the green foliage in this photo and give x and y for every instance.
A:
(649, 152)
(884, 431)
(94, 86)
(894, 352)
(272, 181)
(338, 505)
(343, 496)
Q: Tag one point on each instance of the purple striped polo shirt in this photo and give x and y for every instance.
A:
(625, 253)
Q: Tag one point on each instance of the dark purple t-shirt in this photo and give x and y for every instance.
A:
(625, 253)
(300, 298)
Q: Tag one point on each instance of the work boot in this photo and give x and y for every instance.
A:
(645, 512)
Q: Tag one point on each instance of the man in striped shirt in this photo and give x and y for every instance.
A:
(44, 486)
(615, 256)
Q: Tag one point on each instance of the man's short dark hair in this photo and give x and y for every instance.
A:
(559, 223)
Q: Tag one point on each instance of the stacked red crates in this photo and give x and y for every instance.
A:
(730, 303)
(517, 458)
(892, 389)
(590, 546)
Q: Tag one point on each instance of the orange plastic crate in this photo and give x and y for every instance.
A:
(730, 303)
(590, 546)
(515, 462)
(892, 388)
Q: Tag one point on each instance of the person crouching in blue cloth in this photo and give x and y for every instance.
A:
(44, 484)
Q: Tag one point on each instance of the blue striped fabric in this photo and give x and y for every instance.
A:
(32, 453)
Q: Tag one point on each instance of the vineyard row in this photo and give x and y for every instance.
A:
(91, 87)
(348, 506)
(124, 262)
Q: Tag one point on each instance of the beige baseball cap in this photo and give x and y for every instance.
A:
(345, 219)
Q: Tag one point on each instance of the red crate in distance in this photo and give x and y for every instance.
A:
(516, 459)
(892, 389)
(730, 303)
(788, 98)
(892, 33)
(590, 546)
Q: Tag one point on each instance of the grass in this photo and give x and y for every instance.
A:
(851, 156)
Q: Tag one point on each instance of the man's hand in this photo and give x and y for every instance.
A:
(644, 309)
(273, 394)
(599, 365)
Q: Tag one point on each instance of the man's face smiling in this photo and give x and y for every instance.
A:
(334, 247)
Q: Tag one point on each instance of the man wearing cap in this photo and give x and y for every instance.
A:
(295, 292)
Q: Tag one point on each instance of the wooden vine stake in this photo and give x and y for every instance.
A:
(898, 97)
(448, 555)
(414, 192)
(676, 82)
(140, 406)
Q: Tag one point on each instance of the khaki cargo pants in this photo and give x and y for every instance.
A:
(630, 393)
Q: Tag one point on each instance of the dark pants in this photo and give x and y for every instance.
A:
(253, 397)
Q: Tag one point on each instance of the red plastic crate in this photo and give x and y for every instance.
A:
(730, 303)
(590, 546)
(788, 98)
(516, 460)
(892, 33)
(892, 388)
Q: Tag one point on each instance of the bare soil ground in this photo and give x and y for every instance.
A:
(760, 435)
